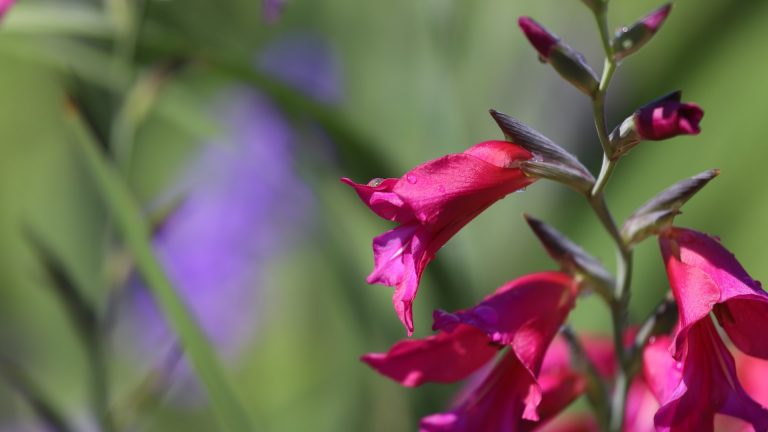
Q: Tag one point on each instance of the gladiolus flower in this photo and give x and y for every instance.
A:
(538, 36)
(705, 277)
(667, 117)
(432, 202)
(700, 384)
(523, 315)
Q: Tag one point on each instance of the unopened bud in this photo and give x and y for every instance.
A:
(569, 63)
(659, 120)
(660, 211)
(632, 38)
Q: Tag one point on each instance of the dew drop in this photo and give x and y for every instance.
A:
(376, 182)
(679, 365)
(411, 178)
(441, 189)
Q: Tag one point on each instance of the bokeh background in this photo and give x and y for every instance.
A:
(233, 123)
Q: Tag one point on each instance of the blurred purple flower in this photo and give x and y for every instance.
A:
(242, 204)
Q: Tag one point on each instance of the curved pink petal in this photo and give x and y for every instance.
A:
(641, 407)
(704, 383)
(445, 358)
(507, 395)
(705, 277)
(378, 196)
(524, 314)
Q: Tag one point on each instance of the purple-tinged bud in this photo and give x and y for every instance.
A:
(568, 63)
(661, 119)
(655, 19)
(540, 38)
(632, 38)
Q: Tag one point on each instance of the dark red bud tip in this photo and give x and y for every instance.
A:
(667, 118)
(540, 38)
(655, 19)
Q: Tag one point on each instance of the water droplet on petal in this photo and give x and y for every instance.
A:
(411, 178)
(376, 182)
(679, 365)
(441, 189)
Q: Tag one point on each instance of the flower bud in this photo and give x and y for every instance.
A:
(661, 119)
(567, 62)
(572, 258)
(550, 161)
(659, 212)
(632, 38)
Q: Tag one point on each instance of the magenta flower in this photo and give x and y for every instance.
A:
(667, 117)
(700, 384)
(432, 202)
(538, 36)
(523, 315)
(4, 6)
(705, 277)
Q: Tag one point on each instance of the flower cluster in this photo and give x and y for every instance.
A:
(521, 374)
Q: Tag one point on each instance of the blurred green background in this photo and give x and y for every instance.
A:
(416, 79)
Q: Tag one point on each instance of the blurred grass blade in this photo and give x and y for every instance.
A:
(40, 403)
(70, 19)
(135, 233)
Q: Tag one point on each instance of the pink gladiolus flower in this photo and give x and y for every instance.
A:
(700, 384)
(705, 277)
(523, 315)
(431, 203)
(4, 6)
(667, 117)
(538, 36)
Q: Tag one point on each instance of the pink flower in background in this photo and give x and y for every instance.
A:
(524, 316)
(705, 277)
(432, 202)
(4, 6)
(701, 383)
(667, 118)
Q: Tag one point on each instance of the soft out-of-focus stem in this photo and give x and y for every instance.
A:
(45, 410)
(135, 232)
(619, 304)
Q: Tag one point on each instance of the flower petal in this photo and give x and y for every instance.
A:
(445, 358)
(707, 384)
(524, 314)
(706, 277)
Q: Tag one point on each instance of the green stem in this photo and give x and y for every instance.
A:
(129, 221)
(620, 302)
(99, 380)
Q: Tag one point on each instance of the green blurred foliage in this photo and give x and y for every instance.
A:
(418, 78)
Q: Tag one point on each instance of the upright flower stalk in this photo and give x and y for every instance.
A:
(661, 374)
